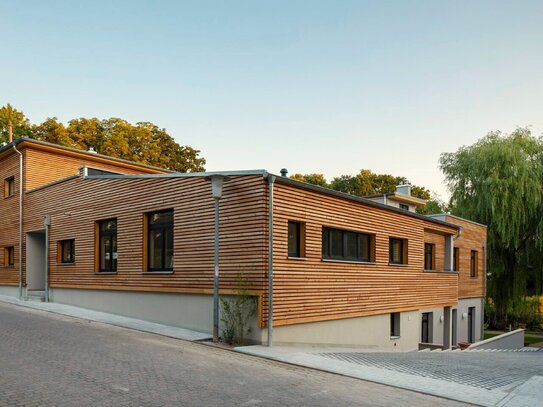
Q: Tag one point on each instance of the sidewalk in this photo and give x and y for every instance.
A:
(111, 319)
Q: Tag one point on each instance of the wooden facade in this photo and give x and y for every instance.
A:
(472, 237)
(306, 289)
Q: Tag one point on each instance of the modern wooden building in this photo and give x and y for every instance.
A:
(130, 239)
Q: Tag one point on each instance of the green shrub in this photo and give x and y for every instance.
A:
(236, 315)
(525, 310)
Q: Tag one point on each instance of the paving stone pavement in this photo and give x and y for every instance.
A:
(508, 379)
(487, 370)
(53, 360)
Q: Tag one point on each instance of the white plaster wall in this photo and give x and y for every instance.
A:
(461, 323)
(372, 332)
(9, 290)
(191, 311)
(462, 307)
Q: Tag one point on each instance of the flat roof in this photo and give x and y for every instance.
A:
(75, 150)
(259, 172)
(436, 215)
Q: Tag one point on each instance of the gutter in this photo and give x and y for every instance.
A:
(20, 211)
(271, 180)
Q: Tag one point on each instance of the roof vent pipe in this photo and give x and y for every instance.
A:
(91, 150)
(284, 172)
(10, 132)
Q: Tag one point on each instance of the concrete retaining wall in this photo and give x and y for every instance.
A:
(509, 340)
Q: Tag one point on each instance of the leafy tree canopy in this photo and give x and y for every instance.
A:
(142, 142)
(498, 182)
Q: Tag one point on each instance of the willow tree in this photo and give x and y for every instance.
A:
(498, 181)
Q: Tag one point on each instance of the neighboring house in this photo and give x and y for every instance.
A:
(468, 260)
(138, 241)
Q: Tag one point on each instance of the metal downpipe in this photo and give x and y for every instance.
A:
(271, 180)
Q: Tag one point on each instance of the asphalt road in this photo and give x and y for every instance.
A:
(51, 360)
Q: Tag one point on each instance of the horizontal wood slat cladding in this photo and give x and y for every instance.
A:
(438, 240)
(242, 231)
(472, 237)
(314, 290)
(9, 224)
(43, 167)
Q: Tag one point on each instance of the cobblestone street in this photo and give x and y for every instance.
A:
(49, 360)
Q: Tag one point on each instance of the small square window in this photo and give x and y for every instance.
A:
(9, 256)
(66, 250)
(397, 251)
(404, 207)
(9, 187)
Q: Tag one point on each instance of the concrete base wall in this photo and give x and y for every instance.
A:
(461, 320)
(195, 311)
(10, 291)
(191, 311)
(371, 332)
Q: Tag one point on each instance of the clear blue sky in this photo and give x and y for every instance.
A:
(313, 86)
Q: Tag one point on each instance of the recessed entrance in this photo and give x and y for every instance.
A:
(35, 261)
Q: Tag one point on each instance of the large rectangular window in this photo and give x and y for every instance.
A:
(429, 256)
(9, 187)
(456, 259)
(294, 239)
(397, 251)
(160, 241)
(107, 246)
(474, 263)
(66, 249)
(9, 256)
(344, 245)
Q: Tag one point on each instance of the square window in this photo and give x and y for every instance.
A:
(9, 187)
(456, 259)
(429, 256)
(66, 251)
(404, 207)
(9, 256)
(294, 239)
(395, 324)
(397, 251)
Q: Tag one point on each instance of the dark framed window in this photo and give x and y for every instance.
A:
(456, 259)
(107, 246)
(474, 263)
(429, 256)
(397, 251)
(9, 256)
(9, 187)
(395, 324)
(160, 241)
(294, 239)
(67, 251)
(345, 245)
(404, 207)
